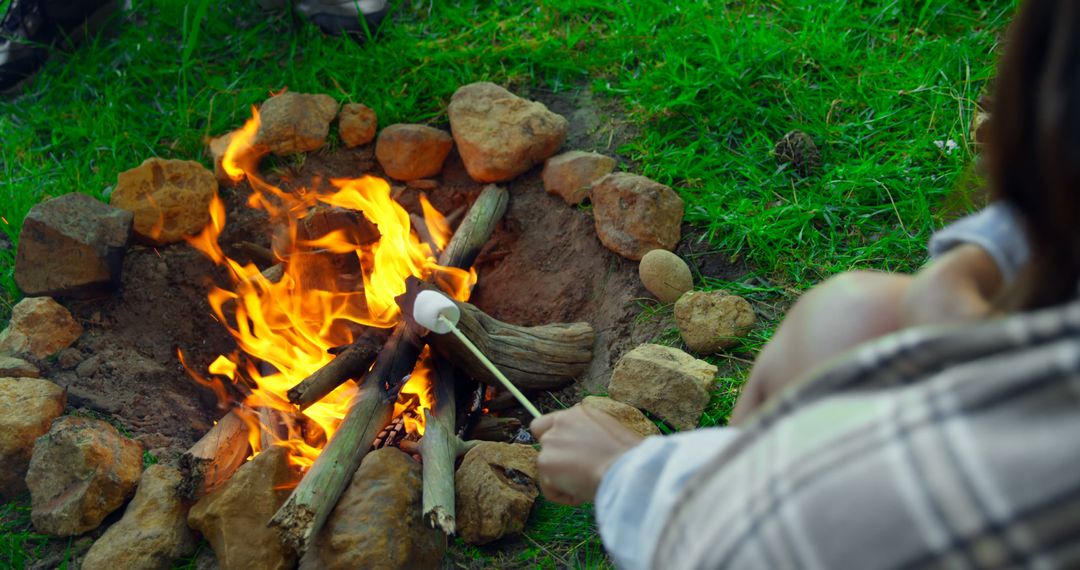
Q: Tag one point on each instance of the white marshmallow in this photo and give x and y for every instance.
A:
(429, 306)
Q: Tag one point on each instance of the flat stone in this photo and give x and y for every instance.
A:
(500, 135)
(570, 174)
(635, 215)
(80, 471)
(11, 367)
(295, 122)
(357, 124)
(627, 415)
(39, 328)
(377, 522)
(234, 517)
(72, 246)
(29, 406)
(153, 531)
(710, 321)
(664, 381)
(170, 199)
(665, 275)
(409, 152)
(495, 489)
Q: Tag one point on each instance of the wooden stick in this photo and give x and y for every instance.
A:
(214, 458)
(306, 509)
(525, 403)
(439, 450)
(491, 428)
(351, 363)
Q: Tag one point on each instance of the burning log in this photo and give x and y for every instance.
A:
(532, 358)
(350, 363)
(259, 255)
(214, 458)
(306, 509)
(491, 428)
(439, 449)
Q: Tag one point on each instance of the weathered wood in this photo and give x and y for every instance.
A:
(259, 255)
(214, 458)
(349, 364)
(475, 228)
(491, 428)
(532, 358)
(439, 450)
(311, 502)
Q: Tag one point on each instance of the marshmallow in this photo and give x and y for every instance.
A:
(429, 306)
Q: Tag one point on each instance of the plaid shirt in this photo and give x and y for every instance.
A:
(934, 447)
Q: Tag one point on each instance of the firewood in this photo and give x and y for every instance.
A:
(214, 458)
(350, 363)
(491, 428)
(532, 358)
(306, 509)
(439, 450)
(259, 255)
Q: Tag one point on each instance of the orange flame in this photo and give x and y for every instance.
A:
(284, 329)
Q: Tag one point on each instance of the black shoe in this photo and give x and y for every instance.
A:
(343, 17)
(30, 27)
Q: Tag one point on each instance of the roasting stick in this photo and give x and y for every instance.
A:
(437, 313)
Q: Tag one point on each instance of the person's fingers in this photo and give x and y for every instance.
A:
(542, 424)
(748, 401)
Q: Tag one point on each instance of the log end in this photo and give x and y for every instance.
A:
(294, 523)
(438, 517)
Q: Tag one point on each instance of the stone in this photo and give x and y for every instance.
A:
(798, 149)
(665, 275)
(409, 152)
(377, 522)
(170, 199)
(627, 415)
(635, 215)
(500, 135)
(39, 328)
(495, 488)
(216, 149)
(234, 517)
(664, 381)
(295, 122)
(710, 321)
(11, 367)
(81, 471)
(29, 406)
(571, 173)
(357, 124)
(153, 531)
(72, 246)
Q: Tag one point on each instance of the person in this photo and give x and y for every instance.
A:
(936, 445)
(29, 28)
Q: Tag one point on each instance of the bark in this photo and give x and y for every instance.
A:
(214, 458)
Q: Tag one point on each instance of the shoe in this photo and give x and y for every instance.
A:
(343, 17)
(30, 27)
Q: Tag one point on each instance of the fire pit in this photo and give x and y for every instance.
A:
(281, 341)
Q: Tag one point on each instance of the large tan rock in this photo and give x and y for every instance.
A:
(39, 328)
(234, 517)
(495, 489)
(71, 246)
(170, 199)
(295, 122)
(29, 406)
(11, 367)
(409, 152)
(153, 531)
(357, 124)
(712, 320)
(627, 415)
(635, 215)
(664, 381)
(500, 135)
(665, 275)
(571, 173)
(81, 471)
(377, 522)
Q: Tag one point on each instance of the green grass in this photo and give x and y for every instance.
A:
(708, 86)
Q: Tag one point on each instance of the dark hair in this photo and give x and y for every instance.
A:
(1034, 145)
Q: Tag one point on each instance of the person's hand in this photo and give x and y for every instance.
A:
(577, 447)
(958, 287)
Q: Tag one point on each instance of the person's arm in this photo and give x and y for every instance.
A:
(587, 455)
